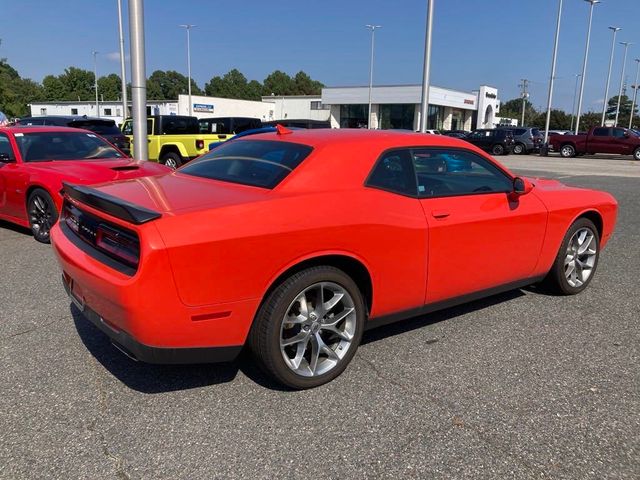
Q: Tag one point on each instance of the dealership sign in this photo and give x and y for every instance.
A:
(203, 107)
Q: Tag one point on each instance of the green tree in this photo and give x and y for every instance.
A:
(591, 119)
(304, 85)
(16, 92)
(233, 85)
(625, 109)
(278, 83)
(513, 109)
(110, 87)
(168, 85)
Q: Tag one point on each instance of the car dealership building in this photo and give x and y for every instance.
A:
(392, 107)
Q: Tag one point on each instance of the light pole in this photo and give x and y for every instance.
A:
(635, 93)
(424, 104)
(188, 28)
(138, 80)
(624, 65)
(373, 37)
(573, 105)
(606, 90)
(95, 81)
(123, 71)
(584, 64)
(552, 77)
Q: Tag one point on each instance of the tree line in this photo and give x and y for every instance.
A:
(78, 84)
(561, 120)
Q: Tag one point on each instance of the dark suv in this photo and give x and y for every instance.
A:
(102, 126)
(496, 141)
(526, 140)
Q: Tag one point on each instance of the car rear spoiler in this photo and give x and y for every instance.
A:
(109, 204)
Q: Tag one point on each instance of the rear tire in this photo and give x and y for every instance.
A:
(497, 149)
(519, 149)
(171, 159)
(576, 261)
(297, 339)
(636, 154)
(567, 151)
(42, 214)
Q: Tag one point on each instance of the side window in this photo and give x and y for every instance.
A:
(618, 132)
(449, 172)
(5, 148)
(394, 172)
(600, 132)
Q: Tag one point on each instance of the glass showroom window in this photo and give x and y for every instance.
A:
(397, 116)
(353, 116)
(435, 118)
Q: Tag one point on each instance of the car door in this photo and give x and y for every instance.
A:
(622, 143)
(600, 141)
(480, 234)
(7, 157)
(12, 180)
(479, 138)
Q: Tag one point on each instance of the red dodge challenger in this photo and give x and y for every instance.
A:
(294, 243)
(34, 161)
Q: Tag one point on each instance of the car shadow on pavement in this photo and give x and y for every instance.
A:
(145, 377)
(15, 228)
(421, 321)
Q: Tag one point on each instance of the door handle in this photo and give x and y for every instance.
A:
(440, 214)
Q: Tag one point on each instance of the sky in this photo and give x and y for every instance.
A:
(475, 42)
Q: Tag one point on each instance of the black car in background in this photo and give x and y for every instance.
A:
(106, 128)
(228, 125)
(456, 133)
(497, 141)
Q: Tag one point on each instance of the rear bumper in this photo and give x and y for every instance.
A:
(148, 354)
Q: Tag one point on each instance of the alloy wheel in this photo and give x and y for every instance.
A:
(580, 257)
(318, 329)
(41, 216)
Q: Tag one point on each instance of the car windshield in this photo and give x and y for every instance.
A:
(51, 146)
(259, 163)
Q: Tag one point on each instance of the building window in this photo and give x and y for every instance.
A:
(397, 116)
(353, 116)
(148, 111)
(435, 118)
(107, 112)
(74, 111)
(316, 105)
(43, 111)
(117, 112)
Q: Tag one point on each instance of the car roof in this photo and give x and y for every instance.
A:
(41, 128)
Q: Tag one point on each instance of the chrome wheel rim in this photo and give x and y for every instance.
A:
(171, 163)
(517, 149)
(567, 151)
(318, 329)
(580, 257)
(40, 216)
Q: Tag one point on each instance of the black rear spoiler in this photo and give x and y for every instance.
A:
(112, 205)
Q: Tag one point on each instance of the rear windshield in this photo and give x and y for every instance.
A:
(101, 128)
(259, 163)
(50, 146)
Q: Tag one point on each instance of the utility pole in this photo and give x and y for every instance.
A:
(188, 28)
(424, 104)
(524, 94)
(551, 79)
(584, 63)
(95, 81)
(615, 30)
(624, 65)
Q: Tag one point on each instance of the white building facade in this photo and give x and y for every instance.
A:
(107, 110)
(205, 107)
(308, 107)
(398, 107)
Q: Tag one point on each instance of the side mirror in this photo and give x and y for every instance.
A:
(626, 134)
(521, 186)
(5, 158)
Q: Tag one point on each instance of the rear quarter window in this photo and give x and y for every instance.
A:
(259, 163)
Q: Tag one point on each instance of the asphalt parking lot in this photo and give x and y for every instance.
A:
(520, 385)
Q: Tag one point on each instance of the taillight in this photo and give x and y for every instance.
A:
(199, 144)
(118, 244)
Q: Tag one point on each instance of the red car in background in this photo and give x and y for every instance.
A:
(34, 161)
(295, 242)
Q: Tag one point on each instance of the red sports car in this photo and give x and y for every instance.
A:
(34, 161)
(296, 242)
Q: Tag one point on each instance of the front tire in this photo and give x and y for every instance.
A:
(309, 328)
(171, 159)
(42, 214)
(567, 151)
(636, 154)
(519, 149)
(577, 259)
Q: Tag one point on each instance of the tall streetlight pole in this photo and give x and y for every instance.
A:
(573, 105)
(373, 38)
(624, 65)
(635, 94)
(606, 90)
(552, 77)
(138, 80)
(95, 80)
(424, 104)
(584, 64)
(188, 28)
(123, 71)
